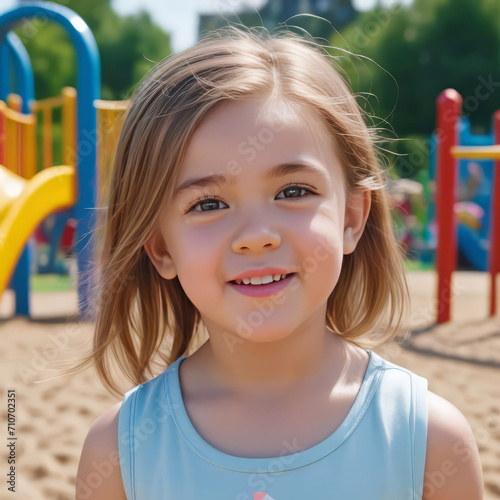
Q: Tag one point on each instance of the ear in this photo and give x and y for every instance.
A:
(356, 213)
(156, 249)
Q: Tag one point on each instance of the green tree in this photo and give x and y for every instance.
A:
(408, 56)
(421, 50)
(127, 47)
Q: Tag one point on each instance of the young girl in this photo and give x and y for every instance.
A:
(247, 200)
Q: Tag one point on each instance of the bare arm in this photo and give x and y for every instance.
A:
(99, 475)
(453, 468)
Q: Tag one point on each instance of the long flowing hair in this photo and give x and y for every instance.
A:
(140, 316)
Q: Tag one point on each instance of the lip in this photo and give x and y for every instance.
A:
(263, 271)
(263, 290)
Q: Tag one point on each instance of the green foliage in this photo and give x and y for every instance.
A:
(51, 282)
(412, 265)
(403, 57)
(127, 45)
(411, 155)
(52, 56)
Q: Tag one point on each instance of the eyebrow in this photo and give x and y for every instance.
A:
(274, 172)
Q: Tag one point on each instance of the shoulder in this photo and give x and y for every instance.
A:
(99, 475)
(452, 464)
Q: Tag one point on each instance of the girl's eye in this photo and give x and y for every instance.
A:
(212, 200)
(205, 200)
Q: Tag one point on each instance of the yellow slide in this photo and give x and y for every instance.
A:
(24, 204)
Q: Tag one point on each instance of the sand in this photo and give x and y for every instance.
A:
(460, 359)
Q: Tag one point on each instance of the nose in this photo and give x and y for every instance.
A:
(256, 238)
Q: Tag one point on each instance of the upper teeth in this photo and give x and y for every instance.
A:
(261, 279)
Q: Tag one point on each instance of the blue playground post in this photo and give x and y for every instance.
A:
(13, 53)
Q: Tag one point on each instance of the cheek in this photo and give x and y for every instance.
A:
(322, 251)
(323, 258)
(198, 260)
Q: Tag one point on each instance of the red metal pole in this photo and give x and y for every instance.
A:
(495, 222)
(449, 105)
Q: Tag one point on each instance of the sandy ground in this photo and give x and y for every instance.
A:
(461, 361)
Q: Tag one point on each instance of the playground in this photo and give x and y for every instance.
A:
(47, 216)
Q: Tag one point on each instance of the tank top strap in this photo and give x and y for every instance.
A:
(126, 441)
(419, 419)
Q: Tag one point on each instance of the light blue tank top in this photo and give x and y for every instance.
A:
(377, 453)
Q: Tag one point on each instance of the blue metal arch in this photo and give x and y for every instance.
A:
(13, 52)
(88, 87)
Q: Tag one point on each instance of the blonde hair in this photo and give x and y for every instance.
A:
(139, 314)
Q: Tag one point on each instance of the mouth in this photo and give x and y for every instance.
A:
(262, 291)
(234, 282)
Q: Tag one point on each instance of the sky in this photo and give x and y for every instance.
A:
(180, 18)
(182, 21)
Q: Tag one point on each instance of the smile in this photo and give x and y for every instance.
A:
(262, 290)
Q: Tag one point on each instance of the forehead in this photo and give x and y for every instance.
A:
(252, 136)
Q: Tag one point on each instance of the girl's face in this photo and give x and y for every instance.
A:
(296, 221)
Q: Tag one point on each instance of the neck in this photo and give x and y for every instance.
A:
(263, 369)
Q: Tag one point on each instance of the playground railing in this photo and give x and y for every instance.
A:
(18, 154)
(110, 116)
(67, 102)
(476, 152)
